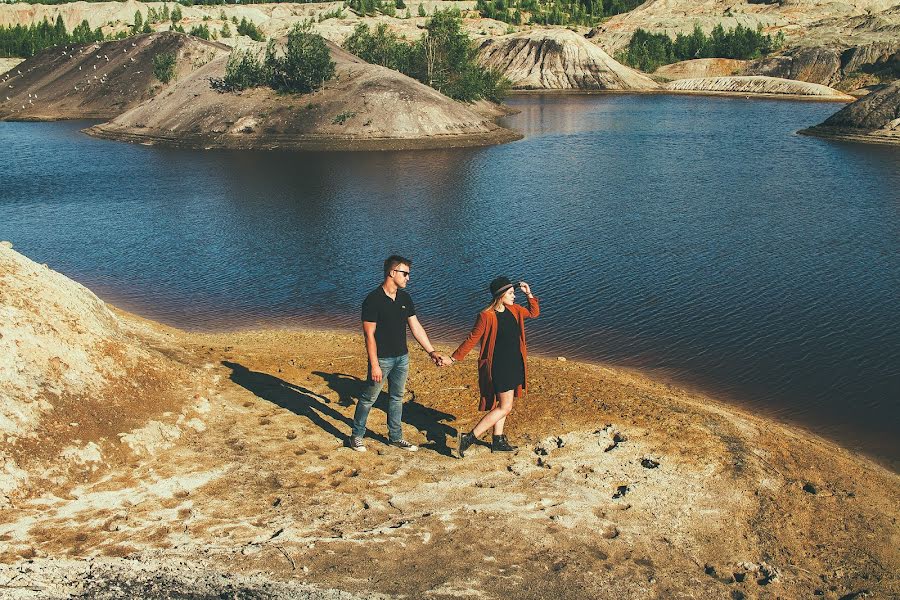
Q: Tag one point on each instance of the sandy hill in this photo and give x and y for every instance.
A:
(141, 461)
(97, 81)
(874, 119)
(701, 67)
(558, 59)
(757, 85)
(827, 42)
(77, 389)
(799, 19)
(364, 107)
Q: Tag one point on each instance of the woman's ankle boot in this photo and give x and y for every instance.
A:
(501, 444)
(463, 441)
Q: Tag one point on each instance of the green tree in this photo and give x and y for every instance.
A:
(138, 22)
(304, 65)
(164, 66)
(176, 14)
(422, 12)
(244, 70)
(200, 31)
(226, 30)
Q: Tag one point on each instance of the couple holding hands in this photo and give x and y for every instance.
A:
(499, 329)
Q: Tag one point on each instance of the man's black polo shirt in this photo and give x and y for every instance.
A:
(390, 318)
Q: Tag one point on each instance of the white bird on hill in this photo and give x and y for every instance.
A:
(95, 67)
(79, 67)
(133, 45)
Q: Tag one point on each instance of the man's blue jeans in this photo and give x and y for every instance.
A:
(395, 369)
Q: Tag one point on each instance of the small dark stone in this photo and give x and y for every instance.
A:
(620, 491)
(739, 577)
(737, 595)
(810, 488)
(709, 570)
(649, 463)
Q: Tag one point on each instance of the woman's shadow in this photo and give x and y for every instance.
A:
(423, 418)
(295, 398)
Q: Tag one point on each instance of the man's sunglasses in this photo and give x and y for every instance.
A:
(406, 273)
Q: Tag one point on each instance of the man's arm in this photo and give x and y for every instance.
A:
(372, 350)
(419, 333)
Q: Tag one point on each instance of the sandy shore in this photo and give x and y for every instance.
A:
(622, 487)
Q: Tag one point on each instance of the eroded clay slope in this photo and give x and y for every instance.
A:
(756, 84)
(558, 59)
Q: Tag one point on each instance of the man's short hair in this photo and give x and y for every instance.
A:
(393, 261)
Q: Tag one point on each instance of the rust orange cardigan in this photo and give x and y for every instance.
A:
(485, 333)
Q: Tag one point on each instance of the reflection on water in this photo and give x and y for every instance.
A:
(695, 237)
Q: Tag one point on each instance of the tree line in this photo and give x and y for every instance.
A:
(24, 41)
(553, 12)
(649, 51)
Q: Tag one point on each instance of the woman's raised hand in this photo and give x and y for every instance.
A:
(525, 288)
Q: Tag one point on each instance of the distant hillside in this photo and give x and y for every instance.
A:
(99, 80)
(558, 59)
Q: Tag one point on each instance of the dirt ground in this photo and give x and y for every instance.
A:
(621, 487)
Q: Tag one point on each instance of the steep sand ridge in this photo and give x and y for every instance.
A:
(757, 85)
(872, 119)
(99, 80)
(73, 381)
(364, 107)
(558, 59)
(622, 487)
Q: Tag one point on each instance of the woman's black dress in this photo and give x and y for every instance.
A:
(508, 369)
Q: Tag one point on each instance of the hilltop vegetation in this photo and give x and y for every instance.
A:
(26, 41)
(444, 58)
(649, 51)
(553, 12)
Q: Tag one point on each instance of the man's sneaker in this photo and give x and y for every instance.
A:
(404, 445)
(356, 443)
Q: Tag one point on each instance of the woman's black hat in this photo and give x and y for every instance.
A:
(500, 285)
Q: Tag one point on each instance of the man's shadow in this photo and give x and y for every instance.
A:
(297, 399)
(423, 418)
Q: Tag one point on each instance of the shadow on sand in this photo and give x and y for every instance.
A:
(315, 407)
(426, 419)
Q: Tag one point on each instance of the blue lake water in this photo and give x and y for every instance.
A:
(697, 238)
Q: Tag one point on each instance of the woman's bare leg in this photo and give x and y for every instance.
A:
(497, 414)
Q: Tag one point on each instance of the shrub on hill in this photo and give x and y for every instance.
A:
(247, 28)
(443, 58)
(164, 66)
(302, 66)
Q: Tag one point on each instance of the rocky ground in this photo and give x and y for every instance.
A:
(142, 460)
(872, 119)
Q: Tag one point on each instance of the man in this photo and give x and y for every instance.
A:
(386, 312)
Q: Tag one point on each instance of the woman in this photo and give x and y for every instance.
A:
(500, 329)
